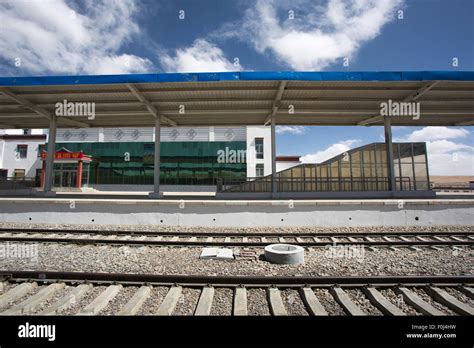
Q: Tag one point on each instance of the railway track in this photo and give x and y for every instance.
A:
(74, 293)
(251, 239)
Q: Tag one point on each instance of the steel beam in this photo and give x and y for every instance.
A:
(156, 170)
(273, 140)
(149, 105)
(48, 178)
(276, 102)
(389, 146)
(39, 110)
(467, 123)
(410, 98)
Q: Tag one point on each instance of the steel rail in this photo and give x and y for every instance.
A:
(89, 241)
(203, 280)
(235, 234)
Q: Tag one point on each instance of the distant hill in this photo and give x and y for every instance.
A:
(449, 180)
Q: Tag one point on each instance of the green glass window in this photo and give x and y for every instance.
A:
(182, 163)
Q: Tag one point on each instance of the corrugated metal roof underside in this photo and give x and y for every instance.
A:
(241, 102)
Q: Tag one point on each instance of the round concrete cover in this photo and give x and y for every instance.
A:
(284, 254)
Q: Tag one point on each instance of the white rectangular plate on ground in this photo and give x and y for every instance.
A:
(217, 254)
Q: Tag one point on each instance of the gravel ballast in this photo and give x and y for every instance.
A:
(328, 302)
(257, 303)
(425, 297)
(230, 230)
(358, 297)
(187, 302)
(293, 303)
(152, 303)
(176, 260)
(399, 301)
(88, 297)
(223, 301)
(124, 295)
(460, 296)
(57, 296)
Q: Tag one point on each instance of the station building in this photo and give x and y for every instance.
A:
(123, 158)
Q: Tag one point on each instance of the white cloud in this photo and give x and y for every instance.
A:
(331, 151)
(290, 129)
(202, 56)
(318, 35)
(446, 146)
(457, 163)
(445, 157)
(449, 158)
(436, 133)
(54, 37)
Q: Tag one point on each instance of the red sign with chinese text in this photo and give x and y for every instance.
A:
(65, 155)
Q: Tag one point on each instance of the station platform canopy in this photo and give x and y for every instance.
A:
(239, 98)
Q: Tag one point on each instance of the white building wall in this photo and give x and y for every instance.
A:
(128, 134)
(20, 131)
(10, 161)
(259, 132)
(71, 135)
(170, 134)
(147, 134)
(230, 133)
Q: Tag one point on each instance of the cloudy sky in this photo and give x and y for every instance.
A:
(60, 37)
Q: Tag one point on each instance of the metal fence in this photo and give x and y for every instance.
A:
(12, 183)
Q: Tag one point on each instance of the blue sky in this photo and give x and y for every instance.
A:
(60, 37)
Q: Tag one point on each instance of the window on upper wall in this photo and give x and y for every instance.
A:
(3, 173)
(259, 170)
(259, 148)
(22, 151)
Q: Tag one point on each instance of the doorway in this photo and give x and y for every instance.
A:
(65, 174)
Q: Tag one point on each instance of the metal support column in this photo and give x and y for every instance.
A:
(48, 178)
(79, 174)
(273, 140)
(389, 146)
(156, 180)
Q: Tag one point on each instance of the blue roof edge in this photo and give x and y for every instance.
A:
(238, 76)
